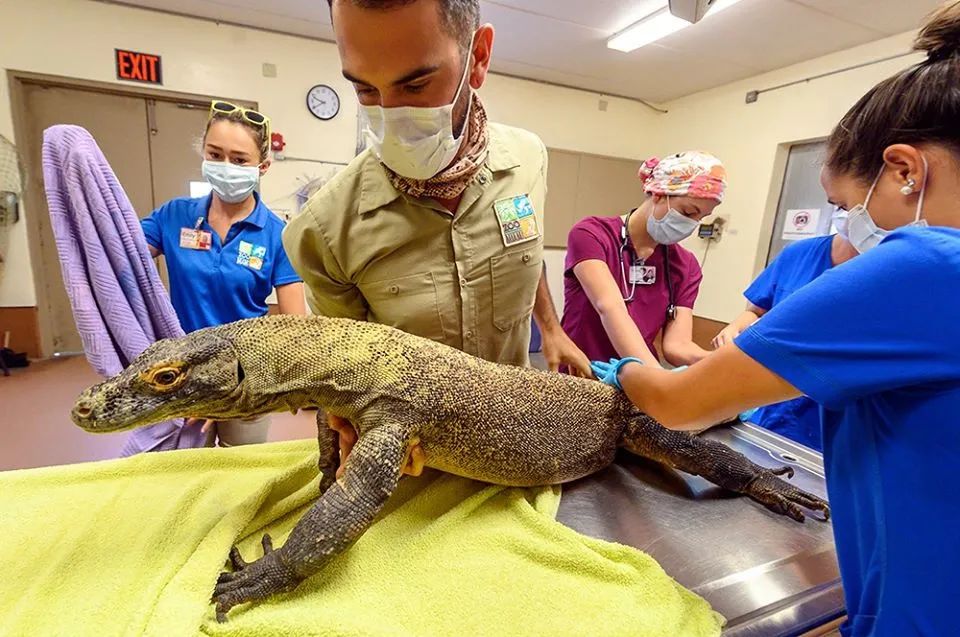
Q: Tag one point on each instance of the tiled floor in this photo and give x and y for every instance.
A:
(35, 427)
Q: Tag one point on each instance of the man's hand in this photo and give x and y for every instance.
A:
(559, 350)
(207, 423)
(347, 436)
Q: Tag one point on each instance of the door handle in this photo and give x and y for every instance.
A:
(152, 117)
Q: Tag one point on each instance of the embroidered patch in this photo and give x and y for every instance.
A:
(251, 255)
(517, 220)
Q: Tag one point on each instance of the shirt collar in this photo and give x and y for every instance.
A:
(376, 191)
(257, 218)
(499, 157)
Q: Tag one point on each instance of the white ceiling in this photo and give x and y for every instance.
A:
(564, 41)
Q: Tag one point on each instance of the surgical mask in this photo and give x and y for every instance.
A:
(840, 221)
(863, 232)
(674, 227)
(415, 142)
(230, 182)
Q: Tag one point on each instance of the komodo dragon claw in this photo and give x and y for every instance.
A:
(782, 497)
(253, 581)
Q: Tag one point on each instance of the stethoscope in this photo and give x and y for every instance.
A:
(625, 246)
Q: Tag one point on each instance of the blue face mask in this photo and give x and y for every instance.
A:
(863, 232)
(231, 183)
(674, 227)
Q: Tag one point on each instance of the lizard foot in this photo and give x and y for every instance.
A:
(254, 580)
(782, 497)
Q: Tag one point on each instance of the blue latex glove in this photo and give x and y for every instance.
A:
(748, 414)
(608, 372)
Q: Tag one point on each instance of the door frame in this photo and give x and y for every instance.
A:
(774, 194)
(17, 82)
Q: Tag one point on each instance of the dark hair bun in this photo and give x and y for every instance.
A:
(940, 34)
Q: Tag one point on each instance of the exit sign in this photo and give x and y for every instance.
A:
(138, 67)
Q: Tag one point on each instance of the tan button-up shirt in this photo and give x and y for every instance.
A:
(369, 252)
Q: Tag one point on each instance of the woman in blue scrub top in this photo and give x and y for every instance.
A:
(798, 264)
(876, 342)
(223, 251)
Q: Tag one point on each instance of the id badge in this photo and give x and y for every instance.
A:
(193, 239)
(643, 274)
(517, 220)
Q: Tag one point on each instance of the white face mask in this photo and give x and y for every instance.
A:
(840, 221)
(674, 227)
(863, 232)
(415, 142)
(230, 182)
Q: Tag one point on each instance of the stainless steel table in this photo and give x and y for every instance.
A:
(767, 574)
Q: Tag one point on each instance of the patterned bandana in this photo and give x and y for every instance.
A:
(450, 182)
(692, 174)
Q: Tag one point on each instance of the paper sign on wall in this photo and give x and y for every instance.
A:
(801, 224)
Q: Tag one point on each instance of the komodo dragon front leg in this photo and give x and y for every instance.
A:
(341, 516)
(719, 464)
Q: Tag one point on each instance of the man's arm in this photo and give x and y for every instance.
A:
(329, 292)
(558, 349)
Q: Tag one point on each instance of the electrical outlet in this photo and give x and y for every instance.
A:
(269, 70)
(603, 105)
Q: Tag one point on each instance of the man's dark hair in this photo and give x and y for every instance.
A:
(461, 18)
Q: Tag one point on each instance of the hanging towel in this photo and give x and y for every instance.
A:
(119, 303)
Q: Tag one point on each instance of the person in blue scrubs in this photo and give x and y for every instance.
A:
(876, 343)
(798, 264)
(223, 252)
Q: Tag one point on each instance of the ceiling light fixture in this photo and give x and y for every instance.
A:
(657, 25)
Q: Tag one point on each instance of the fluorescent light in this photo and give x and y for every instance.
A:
(650, 29)
(657, 25)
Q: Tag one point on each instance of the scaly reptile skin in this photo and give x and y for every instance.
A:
(473, 418)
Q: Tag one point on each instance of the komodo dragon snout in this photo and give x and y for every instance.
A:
(165, 382)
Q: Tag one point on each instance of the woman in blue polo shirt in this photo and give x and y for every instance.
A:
(798, 264)
(876, 342)
(223, 251)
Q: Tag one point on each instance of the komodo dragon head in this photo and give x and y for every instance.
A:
(197, 375)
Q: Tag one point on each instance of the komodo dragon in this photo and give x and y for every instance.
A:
(495, 423)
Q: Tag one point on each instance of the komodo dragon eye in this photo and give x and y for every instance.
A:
(164, 378)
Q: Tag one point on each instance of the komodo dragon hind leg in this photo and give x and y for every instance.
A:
(339, 517)
(721, 465)
(329, 444)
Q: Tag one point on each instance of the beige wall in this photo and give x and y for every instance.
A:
(751, 139)
(76, 38)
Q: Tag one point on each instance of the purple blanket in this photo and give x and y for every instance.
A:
(118, 300)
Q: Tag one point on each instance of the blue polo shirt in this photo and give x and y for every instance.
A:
(230, 281)
(876, 342)
(798, 264)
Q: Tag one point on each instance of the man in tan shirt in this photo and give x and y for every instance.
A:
(437, 228)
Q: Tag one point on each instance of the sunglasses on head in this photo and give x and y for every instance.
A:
(254, 117)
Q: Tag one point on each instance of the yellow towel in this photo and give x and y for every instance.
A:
(134, 546)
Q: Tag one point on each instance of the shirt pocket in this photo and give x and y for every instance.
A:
(409, 303)
(515, 277)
